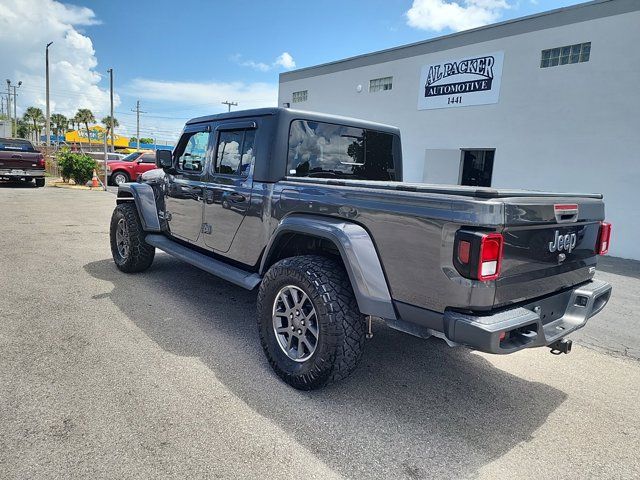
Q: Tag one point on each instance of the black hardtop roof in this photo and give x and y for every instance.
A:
(291, 114)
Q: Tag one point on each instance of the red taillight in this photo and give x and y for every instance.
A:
(478, 255)
(41, 163)
(464, 251)
(604, 238)
(490, 256)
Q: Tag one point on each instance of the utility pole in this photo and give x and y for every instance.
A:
(230, 104)
(9, 104)
(111, 98)
(138, 112)
(47, 128)
(15, 105)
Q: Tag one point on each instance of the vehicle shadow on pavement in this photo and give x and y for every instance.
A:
(413, 409)
(16, 184)
(619, 266)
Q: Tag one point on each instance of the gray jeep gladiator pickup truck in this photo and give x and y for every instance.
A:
(311, 208)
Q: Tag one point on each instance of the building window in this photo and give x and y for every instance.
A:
(380, 84)
(477, 168)
(299, 96)
(580, 52)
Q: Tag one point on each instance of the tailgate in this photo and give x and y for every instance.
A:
(549, 245)
(17, 154)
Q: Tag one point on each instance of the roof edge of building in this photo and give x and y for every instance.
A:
(539, 21)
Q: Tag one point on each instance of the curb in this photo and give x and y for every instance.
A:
(73, 187)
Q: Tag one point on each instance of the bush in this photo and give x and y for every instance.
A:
(76, 166)
(83, 166)
(65, 162)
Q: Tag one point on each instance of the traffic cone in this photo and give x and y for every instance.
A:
(94, 180)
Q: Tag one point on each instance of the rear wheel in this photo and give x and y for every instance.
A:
(119, 177)
(129, 250)
(310, 327)
(39, 182)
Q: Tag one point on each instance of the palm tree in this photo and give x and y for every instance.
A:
(106, 121)
(60, 123)
(85, 116)
(35, 116)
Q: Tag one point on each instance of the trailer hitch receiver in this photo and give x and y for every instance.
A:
(561, 346)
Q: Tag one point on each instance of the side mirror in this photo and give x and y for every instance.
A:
(164, 159)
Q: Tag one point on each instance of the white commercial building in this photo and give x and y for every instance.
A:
(545, 102)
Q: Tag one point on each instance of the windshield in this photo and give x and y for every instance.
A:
(18, 145)
(131, 157)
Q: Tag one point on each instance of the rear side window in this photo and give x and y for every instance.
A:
(326, 150)
(235, 152)
(10, 144)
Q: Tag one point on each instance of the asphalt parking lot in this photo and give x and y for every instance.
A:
(161, 375)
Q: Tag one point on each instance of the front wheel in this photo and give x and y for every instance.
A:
(311, 329)
(129, 250)
(119, 178)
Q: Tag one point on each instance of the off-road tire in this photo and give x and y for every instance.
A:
(341, 325)
(140, 254)
(39, 182)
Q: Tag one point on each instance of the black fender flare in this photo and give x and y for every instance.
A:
(358, 254)
(142, 195)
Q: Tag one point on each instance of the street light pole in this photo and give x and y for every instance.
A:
(47, 129)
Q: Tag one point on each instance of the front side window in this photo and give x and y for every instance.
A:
(148, 158)
(235, 152)
(325, 150)
(192, 151)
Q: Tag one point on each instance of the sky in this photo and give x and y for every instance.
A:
(182, 59)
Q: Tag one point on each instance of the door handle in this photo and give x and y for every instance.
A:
(236, 197)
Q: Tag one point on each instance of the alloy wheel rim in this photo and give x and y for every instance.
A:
(122, 239)
(295, 323)
(120, 179)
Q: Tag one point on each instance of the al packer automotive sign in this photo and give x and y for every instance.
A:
(460, 83)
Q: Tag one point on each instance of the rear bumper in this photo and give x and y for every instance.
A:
(17, 173)
(535, 324)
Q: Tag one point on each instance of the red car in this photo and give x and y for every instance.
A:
(128, 169)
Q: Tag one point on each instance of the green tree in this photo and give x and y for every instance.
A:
(23, 129)
(35, 116)
(59, 123)
(85, 116)
(106, 121)
(146, 140)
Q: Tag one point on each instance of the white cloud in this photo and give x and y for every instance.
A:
(25, 28)
(248, 95)
(438, 15)
(198, 98)
(284, 60)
